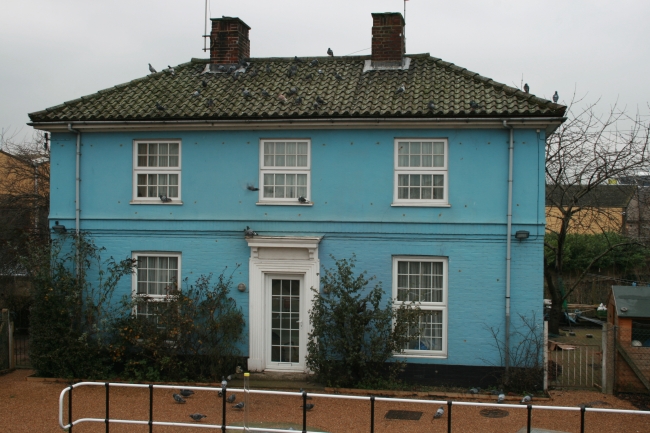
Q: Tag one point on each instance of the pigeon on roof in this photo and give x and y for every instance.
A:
(313, 62)
(265, 93)
(197, 416)
(152, 69)
(232, 69)
(293, 90)
(297, 59)
(474, 390)
(556, 97)
(439, 413)
(474, 105)
(178, 398)
(221, 68)
(282, 98)
(253, 73)
(204, 83)
(299, 100)
(401, 89)
(319, 100)
(246, 93)
(160, 106)
(338, 76)
(210, 102)
(320, 71)
(171, 70)
(309, 76)
(431, 105)
(196, 93)
(330, 52)
(526, 88)
(268, 68)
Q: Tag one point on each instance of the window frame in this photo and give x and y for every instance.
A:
(444, 171)
(156, 170)
(134, 280)
(427, 306)
(263, 169)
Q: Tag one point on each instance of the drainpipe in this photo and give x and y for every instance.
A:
(77, 209)
(511, 151)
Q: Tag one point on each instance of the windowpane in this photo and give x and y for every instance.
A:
(427, 161)
(291, 148)
(302, 179)
(403, 180)
(279, 148)
(279, 192)
(415, 148)
(291, 160)
(302, 148)
(439, 148)
(301, 161)
(142, 160)
(415, 161)
(403, 161)
(279, 179)
(427, 148)
(415, 180)
(268, 148)
(279, 160)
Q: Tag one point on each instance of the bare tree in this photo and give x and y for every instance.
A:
(584, 158)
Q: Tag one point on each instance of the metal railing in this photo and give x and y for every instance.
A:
(580, 367)
(150, 422)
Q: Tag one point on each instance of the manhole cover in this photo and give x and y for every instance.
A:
(403, 414)
(494, 413)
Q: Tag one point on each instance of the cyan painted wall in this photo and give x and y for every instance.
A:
(352, 190)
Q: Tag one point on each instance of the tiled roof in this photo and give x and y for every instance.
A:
(603, 196)
(340, 82)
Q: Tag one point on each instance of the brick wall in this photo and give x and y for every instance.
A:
(229, 41)
(388, 44)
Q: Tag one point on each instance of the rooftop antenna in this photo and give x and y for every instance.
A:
(205, 27)
(405, 21)
(2, 138)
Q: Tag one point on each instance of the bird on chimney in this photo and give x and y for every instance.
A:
(232, 69)
(171, 70)
(330, 52)
(556, 97)
(401, 89)
(221, 68)
(152, 69)
(526, 88)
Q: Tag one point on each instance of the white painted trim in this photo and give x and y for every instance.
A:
(134, 276)
(309, 269)
(368, 66)
(156, 170)
(282, 170)
(444, 170)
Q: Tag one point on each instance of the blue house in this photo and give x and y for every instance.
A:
(432, 175)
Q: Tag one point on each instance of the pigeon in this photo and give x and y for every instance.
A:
(232, 398)
(248, 232)
(204, 83)
(282, 98)
(526, 88)
(308, 406)
(235, 76)
(253, 73)
(210, 102)
(474, 104)
(526, 399)
(320, 71)
(556, 97)
(265, 93)
(474, 390)
(501, 398)
(164, 198)
(302, 390)
(293, 91)
(160, 107)
(309, 77)
(220, 393)
(232, 69)
(246, 93)
(313, 62)
(178, 398)
(197, 416)
(152, 69)
(302, 200)
(196, 94)
(186, 392)
(171, 70)
(239, 405)
(316, 105)
(431, 105)
(297, 59)
(298, 100)
(221, 68)
(251, 187)
(401, 89)
(440, 412)
(330, 52)
(292, 71)
(320, 100)
(268, 69)
(338, 76)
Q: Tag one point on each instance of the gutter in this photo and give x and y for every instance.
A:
(511, 152)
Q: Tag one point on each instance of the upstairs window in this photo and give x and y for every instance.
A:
(157, 171)
(285, 169)
(420, 172)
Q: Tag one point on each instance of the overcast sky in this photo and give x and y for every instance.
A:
(53, 51)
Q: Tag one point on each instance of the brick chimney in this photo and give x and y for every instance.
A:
(388, 42)
(229, 41)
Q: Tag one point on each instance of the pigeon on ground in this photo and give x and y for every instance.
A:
(556, 97)
(313, 62)
(440, 412)
(309, 406)
(338, 76)
(330, 52)
(248, 232)
(526, 88)
(303, 200)
(239, 405)
(297, 59)
(246, 93)
(431, 105)
(186, 392)
(251, 187)
(164, 198)
(196, 94)
(320, 100)
(282, 98)
(401, 89)
(197, 416)
(160, 106)
(474, 390)
(268, 69)
(204, 83)
(152, 69)
(474, 104)
(178, 398)
(232, 398)
(501, 398)
(526, 399)
(171, 70)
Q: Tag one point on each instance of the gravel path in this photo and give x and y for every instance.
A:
(33, 407)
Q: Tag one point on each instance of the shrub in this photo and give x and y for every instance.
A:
(354, 334)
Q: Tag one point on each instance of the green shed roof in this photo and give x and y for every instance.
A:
(346, 86)
(632, 301)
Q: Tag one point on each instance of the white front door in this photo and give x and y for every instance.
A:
(285, 315)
